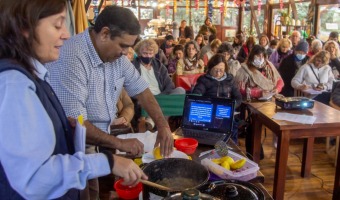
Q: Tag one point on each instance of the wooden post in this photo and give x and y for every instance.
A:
(253, 17)
(292, 3)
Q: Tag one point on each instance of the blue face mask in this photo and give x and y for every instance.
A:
(300, 56)
(145, 60)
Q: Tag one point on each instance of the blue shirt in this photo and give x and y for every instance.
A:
(27, 141)
(85, 85)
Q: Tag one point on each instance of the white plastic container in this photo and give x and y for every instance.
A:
(246, 173)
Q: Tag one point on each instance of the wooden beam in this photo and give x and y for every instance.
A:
(253, 17)
(292, 3)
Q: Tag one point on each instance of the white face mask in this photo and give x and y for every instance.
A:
(258, 62)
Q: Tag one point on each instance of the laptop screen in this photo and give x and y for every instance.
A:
(208, 113)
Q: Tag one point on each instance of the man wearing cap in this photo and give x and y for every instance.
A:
(290, 65)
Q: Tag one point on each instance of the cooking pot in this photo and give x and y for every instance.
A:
(233, 190)
(172, 168)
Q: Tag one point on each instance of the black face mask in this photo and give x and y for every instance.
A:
(145, 60)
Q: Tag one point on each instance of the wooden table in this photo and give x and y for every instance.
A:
(327, 124)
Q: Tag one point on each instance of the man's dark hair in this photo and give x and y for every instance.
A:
(169, 37)
(226, 47)
(119, 20)
(212, 37)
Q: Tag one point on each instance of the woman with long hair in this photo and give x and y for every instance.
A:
(190, 63)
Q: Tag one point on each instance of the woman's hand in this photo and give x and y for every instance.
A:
(303, 87)
(128, 170)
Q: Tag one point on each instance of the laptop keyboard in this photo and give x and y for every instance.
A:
(204, 137)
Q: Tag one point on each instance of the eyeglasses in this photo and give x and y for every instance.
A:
(217, 70)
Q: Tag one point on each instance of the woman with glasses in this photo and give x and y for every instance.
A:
(218, 82)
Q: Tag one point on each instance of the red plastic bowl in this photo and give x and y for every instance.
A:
(127, 192)
(186, 145)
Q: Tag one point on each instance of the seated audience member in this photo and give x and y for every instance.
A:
(177, 53)
(207, 27)
(217, 82)
(273, 45)
(185, 32)
(245, 49)
(335, 97)
(207, 47)
(227, 50)
(295, 38)
(153, 72)
(213, 49)
(290, 65)
(333, 48)
(315, 47)
(237, 43)
(282, 51)
(190, 63)
(317, 75)
(200, 40)
(264, 42)
(125, 110)
(258, 75)
(167, 46)
(334, 36)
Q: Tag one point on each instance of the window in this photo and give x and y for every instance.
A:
(180, 15)
(197, 18)
(146, 13)
(231, 18)
(329, 20)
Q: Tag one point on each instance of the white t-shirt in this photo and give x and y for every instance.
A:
(149, 76)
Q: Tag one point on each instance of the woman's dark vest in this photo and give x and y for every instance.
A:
(64, 138)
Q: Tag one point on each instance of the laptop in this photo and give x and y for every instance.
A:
(207, 119)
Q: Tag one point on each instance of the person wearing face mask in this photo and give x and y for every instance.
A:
(290, 65)
(258, 74)
(317, 75)
(218, 82)
(283, 50)
(153, 72)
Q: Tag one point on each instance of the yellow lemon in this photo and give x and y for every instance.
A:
(226, 165)
(228, 159)
(157, 153)
(238, 164)
(216, 160)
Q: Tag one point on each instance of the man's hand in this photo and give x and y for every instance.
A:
(165, 140)
(132, 146)
(128, 170)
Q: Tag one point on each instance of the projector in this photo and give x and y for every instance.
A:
(294, 103)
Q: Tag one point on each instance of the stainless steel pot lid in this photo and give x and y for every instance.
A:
(233, 190)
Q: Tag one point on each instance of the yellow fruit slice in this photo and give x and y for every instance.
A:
(238, 164)
(216, 160)
(229, 159)
(157, 153)
(226, 165)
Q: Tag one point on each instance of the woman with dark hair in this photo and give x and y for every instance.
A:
(217, 82)
(258, 75)
(177, 53)
(207, 27)
(227, 50)
(245, 49)
(237, 43)
(200, 40)
(190, 63)
(47, 164)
